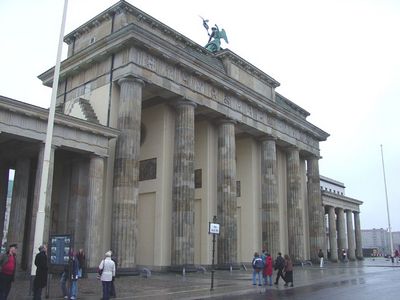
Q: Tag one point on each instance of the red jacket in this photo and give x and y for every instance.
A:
(268, 266)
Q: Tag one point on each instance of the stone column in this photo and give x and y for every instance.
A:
(351, 253)
(316, 210)
(269, 196)
(16, 229)
(94, 229)
(126, 172)
(4, 171)
(227, 202)
(294, 211)
(36, 196)
(357, 232)
(77, 206)
(332, 234)
(182, 244)
(341, 229)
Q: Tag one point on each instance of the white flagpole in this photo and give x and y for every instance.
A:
(387, 206)
(40, 217)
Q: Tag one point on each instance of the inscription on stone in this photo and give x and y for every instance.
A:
(148, 169)
(197, 179)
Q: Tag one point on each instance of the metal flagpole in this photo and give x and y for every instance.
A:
(40, 217)
(387, 206)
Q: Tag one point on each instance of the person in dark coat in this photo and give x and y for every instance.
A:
(41, 273)
(279, 265)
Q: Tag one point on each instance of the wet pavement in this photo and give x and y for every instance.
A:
(369, 279)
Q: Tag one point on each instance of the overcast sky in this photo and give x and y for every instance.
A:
(339, 60)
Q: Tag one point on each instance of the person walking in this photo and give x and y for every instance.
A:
(321, 258)
(74, 267)
(8, 265)
(267, 272)
(107, 266)
(258, 266)
(63, 281)
(81, 260)
(279, 265)
(40, 280)
(288, 271)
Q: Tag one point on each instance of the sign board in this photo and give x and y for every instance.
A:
(213, 228)
(60, 249)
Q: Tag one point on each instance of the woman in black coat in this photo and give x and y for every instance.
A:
(41, 273)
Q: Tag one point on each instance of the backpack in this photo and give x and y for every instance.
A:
(258, 263)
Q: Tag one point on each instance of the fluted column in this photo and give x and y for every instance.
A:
(126, 172)
(269, 196)
(94, 232)
(341, 229)
(182, 252)
(4, 171)
(315, 210)
(227, 202)
(332, 234)
(357, 233)
(19, 205)
(36, 198)
(350, 236)
(294, 211)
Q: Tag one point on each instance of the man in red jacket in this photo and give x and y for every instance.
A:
(8, 265)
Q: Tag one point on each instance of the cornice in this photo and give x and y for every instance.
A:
(41, 113)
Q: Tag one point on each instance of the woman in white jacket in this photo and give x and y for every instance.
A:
(108, 272)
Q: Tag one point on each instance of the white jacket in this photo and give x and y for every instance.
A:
(108, 267)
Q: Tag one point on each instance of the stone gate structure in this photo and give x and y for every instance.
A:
(154, 136)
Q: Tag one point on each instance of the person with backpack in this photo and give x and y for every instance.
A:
(258, 266)
(279, 265)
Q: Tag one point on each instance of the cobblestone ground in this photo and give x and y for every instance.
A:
(162, 286)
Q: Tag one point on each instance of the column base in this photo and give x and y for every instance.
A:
(182, 269)
(233, 266)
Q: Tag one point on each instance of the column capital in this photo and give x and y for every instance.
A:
(131, 78)
(183, 101)
(267, 138)
(226, 121)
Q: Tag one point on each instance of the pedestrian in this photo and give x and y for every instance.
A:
(40, 280)
(267, 271)
(63, 281)
(82, 261)
(396, 255)
(258, 266)
(107, 267)
(8, 264)
(74, 276)
(321, 258)
(288, 271)
(279, 266)
(344, 255)
(113, 293)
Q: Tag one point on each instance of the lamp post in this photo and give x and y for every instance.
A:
(387, 206)
(40, 217)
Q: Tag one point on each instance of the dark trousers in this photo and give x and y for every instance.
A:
(112, 289)
(5, 285)
(280, 274)
(106, 290)
(37, 293)
(289, 277)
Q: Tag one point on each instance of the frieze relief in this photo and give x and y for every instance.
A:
(202, 86)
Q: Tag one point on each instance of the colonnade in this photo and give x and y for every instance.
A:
(342, 234)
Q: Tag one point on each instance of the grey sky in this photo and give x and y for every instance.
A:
(337, 59)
